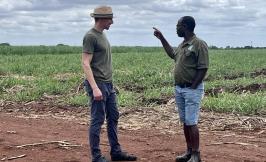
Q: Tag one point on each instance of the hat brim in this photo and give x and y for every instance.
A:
(101, 15)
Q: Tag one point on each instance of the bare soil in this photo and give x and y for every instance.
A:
(41, 132)
(252, 88)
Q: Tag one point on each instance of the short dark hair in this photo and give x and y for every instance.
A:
(190, 22)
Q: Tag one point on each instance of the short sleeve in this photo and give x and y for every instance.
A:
(89, 42)
(203, 56)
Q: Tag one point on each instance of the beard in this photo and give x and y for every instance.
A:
(180, 33)
(107, 27)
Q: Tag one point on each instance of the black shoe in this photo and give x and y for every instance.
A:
(123, 156)
(195, 157)
(100, 159)
(183, 158)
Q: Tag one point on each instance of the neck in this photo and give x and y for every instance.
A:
(188, 36)
(98, 27)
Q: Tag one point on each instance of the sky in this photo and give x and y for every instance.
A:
(221, 23)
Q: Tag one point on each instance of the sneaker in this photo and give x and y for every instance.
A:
(195, 157)
(123, 156)
(100, 159)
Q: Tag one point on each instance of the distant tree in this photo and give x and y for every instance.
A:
(213, 47)
(60, 44)
(227, 47)
(248, 47)
(4, 44)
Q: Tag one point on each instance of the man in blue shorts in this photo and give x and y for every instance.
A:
(191, 64)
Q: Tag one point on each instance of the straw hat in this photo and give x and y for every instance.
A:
(102, 12)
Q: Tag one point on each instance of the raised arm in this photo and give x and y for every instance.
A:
(168, 49)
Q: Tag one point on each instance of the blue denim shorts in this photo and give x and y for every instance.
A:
(188, 103)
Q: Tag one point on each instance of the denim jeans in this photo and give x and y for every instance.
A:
(188, 103)
(106, 108)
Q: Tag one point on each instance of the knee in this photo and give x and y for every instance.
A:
(112, 116)
(96, 122)
(113, 119)
(190, 125)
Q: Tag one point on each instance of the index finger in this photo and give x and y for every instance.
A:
(155, 28)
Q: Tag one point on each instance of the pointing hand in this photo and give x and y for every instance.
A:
(157, 33)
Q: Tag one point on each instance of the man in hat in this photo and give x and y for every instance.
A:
(97, 66)
(191, 64)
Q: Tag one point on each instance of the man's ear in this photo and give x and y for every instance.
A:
(185, 26)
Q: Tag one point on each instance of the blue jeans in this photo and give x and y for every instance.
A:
(106, 108)
(188, 103)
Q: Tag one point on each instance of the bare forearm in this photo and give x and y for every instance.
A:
(86, 61)
(89, 76)
(199, 77)
(168, 49)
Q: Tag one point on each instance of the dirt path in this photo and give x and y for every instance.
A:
(152, 134)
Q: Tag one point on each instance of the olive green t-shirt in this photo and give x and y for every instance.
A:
(96, 43)
(190, 56)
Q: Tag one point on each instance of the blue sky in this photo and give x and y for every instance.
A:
(49, 22)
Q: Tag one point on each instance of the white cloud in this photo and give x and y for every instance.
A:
(219, 22)
(9, 5)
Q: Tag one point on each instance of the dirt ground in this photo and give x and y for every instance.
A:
(41, 132)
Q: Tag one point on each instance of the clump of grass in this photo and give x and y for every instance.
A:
(142, 73)
(126, 98)
(77, 100)
(245, 103)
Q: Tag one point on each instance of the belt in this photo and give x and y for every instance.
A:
(185, 85)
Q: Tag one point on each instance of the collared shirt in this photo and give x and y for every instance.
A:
(190, 56)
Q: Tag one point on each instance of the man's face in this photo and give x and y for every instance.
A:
(107, 22)
(180, 28)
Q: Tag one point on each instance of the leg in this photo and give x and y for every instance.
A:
(193, 133)
(112, 121)
(188, 138)
(192, 101)
(97, 120)
(112, 116)
(180, 102)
